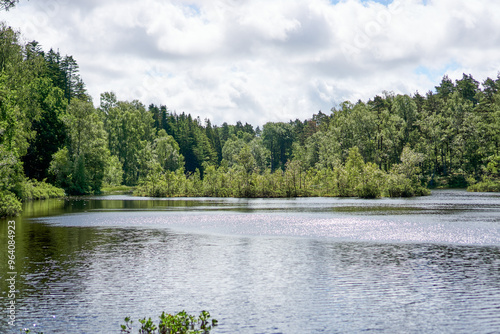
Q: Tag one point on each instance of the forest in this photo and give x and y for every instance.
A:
(55, 142)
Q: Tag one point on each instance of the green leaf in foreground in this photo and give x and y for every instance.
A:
(180, 323)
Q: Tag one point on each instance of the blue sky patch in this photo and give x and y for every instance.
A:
(434, 74)
(384, 2)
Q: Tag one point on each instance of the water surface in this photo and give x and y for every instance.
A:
(429, 264)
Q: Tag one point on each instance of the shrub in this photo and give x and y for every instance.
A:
(33, 189)
(399, 186)
(10, 205)
(487, 185)
(180, 323)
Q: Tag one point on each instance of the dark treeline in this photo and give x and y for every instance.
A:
(391, 145)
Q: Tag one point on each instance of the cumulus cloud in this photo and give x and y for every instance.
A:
(257, 60)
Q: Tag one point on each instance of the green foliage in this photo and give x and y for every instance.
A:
(200, 146)
(129, 128)
(404, 178)
(352, 179)
(61, 168)
(79, 183)
(371, 182)
(113, 174)
(399, 186)
(490, 181)
(34, 189)
(30, 107)
(278, 139)
(14, 112)
(180, 323)
(485, 185)
(48, 127)
(10, 205)
(81, 166)
(164, 184)
(167, 152)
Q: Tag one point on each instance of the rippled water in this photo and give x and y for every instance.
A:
(429, 264)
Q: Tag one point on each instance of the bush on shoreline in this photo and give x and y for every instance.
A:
(10, 205)
(485, 186)
(33, 190)
(11, 201)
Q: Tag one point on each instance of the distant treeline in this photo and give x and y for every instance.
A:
(390, 145)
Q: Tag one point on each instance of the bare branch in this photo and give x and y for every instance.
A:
(7, 4)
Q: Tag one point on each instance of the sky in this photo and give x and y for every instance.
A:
(264, 60)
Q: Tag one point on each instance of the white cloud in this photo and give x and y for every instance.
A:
(258, 61)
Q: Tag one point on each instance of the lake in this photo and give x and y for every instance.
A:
(307, 265)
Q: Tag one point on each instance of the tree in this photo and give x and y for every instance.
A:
(167, 152)
(199, 145)
(410, 164)
(278, 139)
(73, 84)
(245, 159)
(212, 134)
(468, 88)
(354, 167)
(15, 132)
(406, 109)
(234, 146)
(80, 167)
(404, 178)
(130, 128)
(113, 175)
(446, 88)
(490, 89)
(48, 128)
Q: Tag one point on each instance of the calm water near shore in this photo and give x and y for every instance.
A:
(307, 265)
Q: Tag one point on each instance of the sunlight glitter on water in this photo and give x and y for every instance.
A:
(334, 226)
